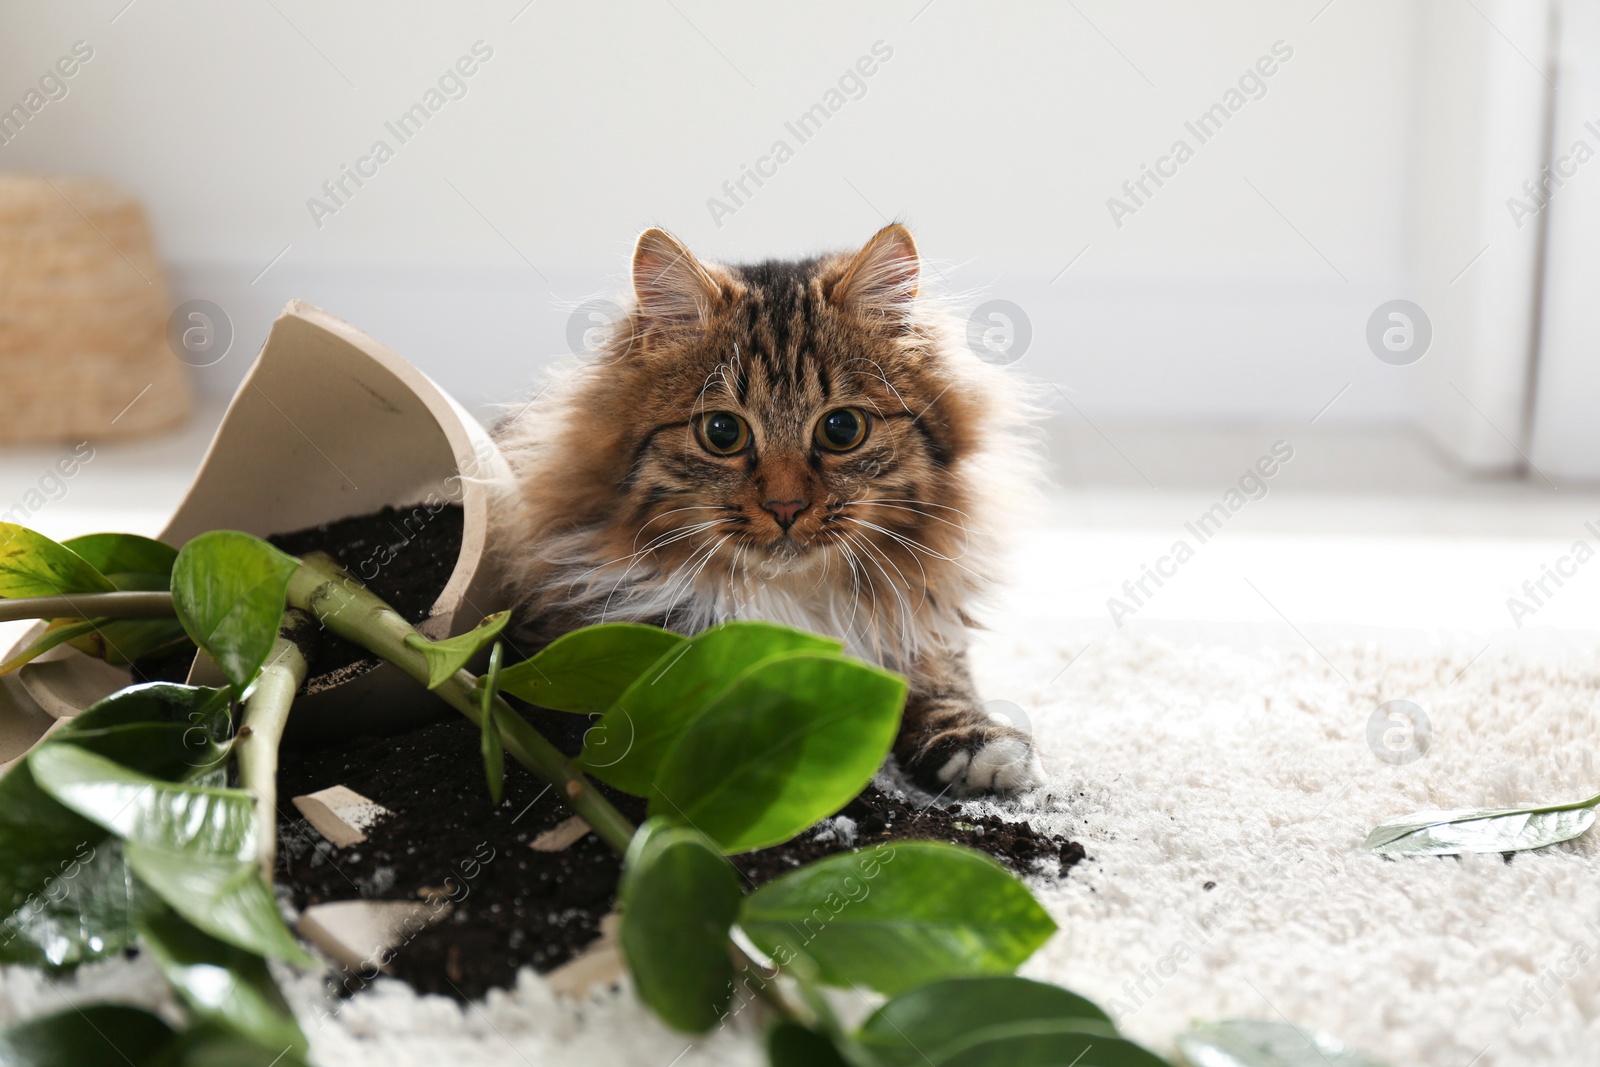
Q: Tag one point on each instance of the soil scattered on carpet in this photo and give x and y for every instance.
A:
(510, 905)
(516, 907)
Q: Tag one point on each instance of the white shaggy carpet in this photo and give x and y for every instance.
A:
(1185, 766)
(1179, 758)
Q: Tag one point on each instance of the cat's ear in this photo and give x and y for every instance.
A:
(672, 287)
(882, 278)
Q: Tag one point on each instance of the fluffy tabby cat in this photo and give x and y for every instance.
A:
(807, 442)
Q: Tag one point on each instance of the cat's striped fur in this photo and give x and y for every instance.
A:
(621, 510)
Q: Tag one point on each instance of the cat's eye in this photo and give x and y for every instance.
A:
(723, 433)
(842, 429)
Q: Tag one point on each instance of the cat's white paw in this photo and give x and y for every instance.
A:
(1005, 764)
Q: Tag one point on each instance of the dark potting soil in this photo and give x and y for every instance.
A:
(516, 907)
(405, 555)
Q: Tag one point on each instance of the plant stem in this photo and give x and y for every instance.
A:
(133, 605)
(266, 710)
(341, 603)
(322, 588)
(766, 989)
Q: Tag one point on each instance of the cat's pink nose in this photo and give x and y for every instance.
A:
(785, 510)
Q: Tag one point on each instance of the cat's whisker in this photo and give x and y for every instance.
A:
(960, 531)
(652, 520)
(908, 638)
(825, 540)
(925, 503)
(882, 376)
(740, 584)
(917, 546)
(895, 505)
(966, 540)
(678, 585)
(898, 590)
(738, 580)
(686, 584)
(714, 550)
(864, 578)
(676, 534)
(906, 582)
(909, 542)
(661, 540)
(848, 630)
(906, 500)
(667, 537)
(670, 537)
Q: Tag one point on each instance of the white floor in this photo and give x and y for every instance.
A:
(1362, 528)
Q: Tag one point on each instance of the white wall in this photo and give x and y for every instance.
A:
(1240, 291)
(1482, 130)
(1566, 441)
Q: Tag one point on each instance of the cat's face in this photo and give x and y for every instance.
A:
(801, 425)
(788, 410)
(789, 425)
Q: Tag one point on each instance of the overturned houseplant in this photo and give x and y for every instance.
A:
(144, 816)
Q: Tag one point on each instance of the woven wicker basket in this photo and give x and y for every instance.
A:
(83, 309)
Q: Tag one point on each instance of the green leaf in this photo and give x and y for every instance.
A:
(213, 1045)
(59, 632)
(65, 894)
(221, 983)
(1042, 1044)
(678, 897)
(944, 1015)
(193, 846)
(163, 729)
(184, 752)
(97, 1034)
(586, 670)
(122, 641)
(792, 1045)
(228, 589)
(1447, 833)
(128, 560)
(33, 565)
(113, 561)
(633, 739)
(137, 807)
(494, 753)
(1248, 1043)
(898, 916)
(789, 743)
(227, 898)
(450, 655)
(171, 703)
